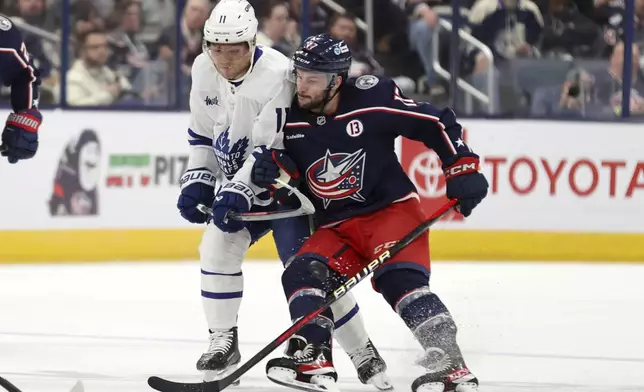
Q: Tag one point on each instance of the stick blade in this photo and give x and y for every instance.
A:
(162, 385)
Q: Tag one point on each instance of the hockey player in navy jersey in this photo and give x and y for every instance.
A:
(238, 99)
(339, 139)
(20, 134)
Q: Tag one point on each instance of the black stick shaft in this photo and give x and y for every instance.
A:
(8, 386)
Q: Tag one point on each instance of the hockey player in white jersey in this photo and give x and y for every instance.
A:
(239, 97)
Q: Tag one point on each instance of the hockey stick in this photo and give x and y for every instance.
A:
(163, 385)
(306, 208)
(8, 386)
(78, 387)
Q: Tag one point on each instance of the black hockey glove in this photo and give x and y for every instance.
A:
(20, 135)
(197, 187)
(464, 182)
(272, 164)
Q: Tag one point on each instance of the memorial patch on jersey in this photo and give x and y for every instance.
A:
(365, 82)
(5, 24)
(337, 176)
(230, 158)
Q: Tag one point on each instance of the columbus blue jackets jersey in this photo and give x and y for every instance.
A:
(16, 67)
(348, 159)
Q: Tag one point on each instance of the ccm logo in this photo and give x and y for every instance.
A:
(386, 245)
(460, 169)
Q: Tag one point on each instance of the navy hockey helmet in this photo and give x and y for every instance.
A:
(322, 53)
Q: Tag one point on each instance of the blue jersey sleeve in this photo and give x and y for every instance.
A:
(18, 70)
(423, 122)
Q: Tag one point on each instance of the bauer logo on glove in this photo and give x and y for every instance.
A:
(20, 135)
(197, 187)
(202, 176)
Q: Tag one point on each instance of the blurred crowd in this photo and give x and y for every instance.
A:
(526, 57)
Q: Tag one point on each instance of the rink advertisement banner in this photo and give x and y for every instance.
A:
(97, 170)
(104, 186)
(544, 176)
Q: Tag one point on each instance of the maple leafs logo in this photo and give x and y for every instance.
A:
(230, 159)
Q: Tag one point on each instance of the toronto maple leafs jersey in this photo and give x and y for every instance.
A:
(229, 119)
(348, 159)
(16, 67)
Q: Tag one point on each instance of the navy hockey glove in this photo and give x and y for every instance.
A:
(272, 164)
(20, 135)
(233, 197)
(465, 183)
(197, 187)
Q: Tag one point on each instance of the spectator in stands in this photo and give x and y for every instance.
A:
(568, 33)
(194, 17)
(129, 53)
(35, 13)
(274, 25)
(573, 99)
(609, 14)
(344, 27)
(609, 83)
(131, 58)
(157, 15)
(90, 82)
(422, 23)
(510, 28)
(85, 17)
(594, 96)
(105, 8)
(317, 16)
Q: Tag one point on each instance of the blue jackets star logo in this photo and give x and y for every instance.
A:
(337, 176)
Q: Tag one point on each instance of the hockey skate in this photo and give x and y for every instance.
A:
(306, 367)
(222, 356)
(371, 367)
(458, 380)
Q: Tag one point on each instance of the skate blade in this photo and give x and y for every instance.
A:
(431, 387)
(286, 378)
(381, 381)
(212, 375)
(467, 387)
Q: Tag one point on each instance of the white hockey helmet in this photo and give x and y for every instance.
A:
(231, 22)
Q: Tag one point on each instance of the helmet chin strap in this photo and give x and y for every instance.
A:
(327, 94)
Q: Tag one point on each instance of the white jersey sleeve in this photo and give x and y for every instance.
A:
(204, 110)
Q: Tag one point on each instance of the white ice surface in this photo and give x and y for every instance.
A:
(523, 327)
